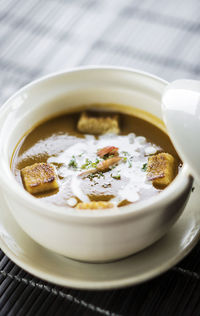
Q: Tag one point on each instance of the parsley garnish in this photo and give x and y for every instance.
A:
(95, 175)
(144, 167)
(106, 185)
(94, 164)
(87, 164)
(129, 163)
(116, 176)
(100, 174)
(73, 163)
(127, 159)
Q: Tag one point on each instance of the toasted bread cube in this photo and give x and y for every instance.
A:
(39, 178)
(98, 125)
(161, 169)
(94, 205)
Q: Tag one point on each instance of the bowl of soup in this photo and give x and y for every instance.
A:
(87, 168)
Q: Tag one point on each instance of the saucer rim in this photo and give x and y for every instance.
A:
(99, 285)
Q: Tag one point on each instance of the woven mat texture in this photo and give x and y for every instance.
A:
(38, 37)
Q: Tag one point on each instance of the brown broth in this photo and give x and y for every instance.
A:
(57, 134)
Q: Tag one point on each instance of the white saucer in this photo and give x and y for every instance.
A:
(66, 272)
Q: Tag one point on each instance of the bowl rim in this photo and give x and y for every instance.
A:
(50, 210)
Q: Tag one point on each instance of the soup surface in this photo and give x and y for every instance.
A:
(95, 160)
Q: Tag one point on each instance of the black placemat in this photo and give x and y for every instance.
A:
(38, 37)
(174, 293)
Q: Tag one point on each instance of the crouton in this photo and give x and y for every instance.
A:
(94, 205)
(161, 169)
(39, 178)
(98, 125)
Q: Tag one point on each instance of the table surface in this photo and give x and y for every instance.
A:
(38, 37)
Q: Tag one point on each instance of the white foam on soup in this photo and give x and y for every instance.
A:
(80, 156)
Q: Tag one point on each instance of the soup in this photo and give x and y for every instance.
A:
(95, 159)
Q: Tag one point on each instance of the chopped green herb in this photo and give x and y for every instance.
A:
(100, 174)
(106, 185)
(91, 176)
(73, 163)
(112, 167)
(94, 164)
(126, 159)
(144, 167)
(87, 164)
(116, 176)
(129, 163)
(95, 175)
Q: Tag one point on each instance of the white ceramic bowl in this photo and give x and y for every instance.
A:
(87, 235)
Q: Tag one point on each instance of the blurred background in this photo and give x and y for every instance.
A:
(42, 36)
